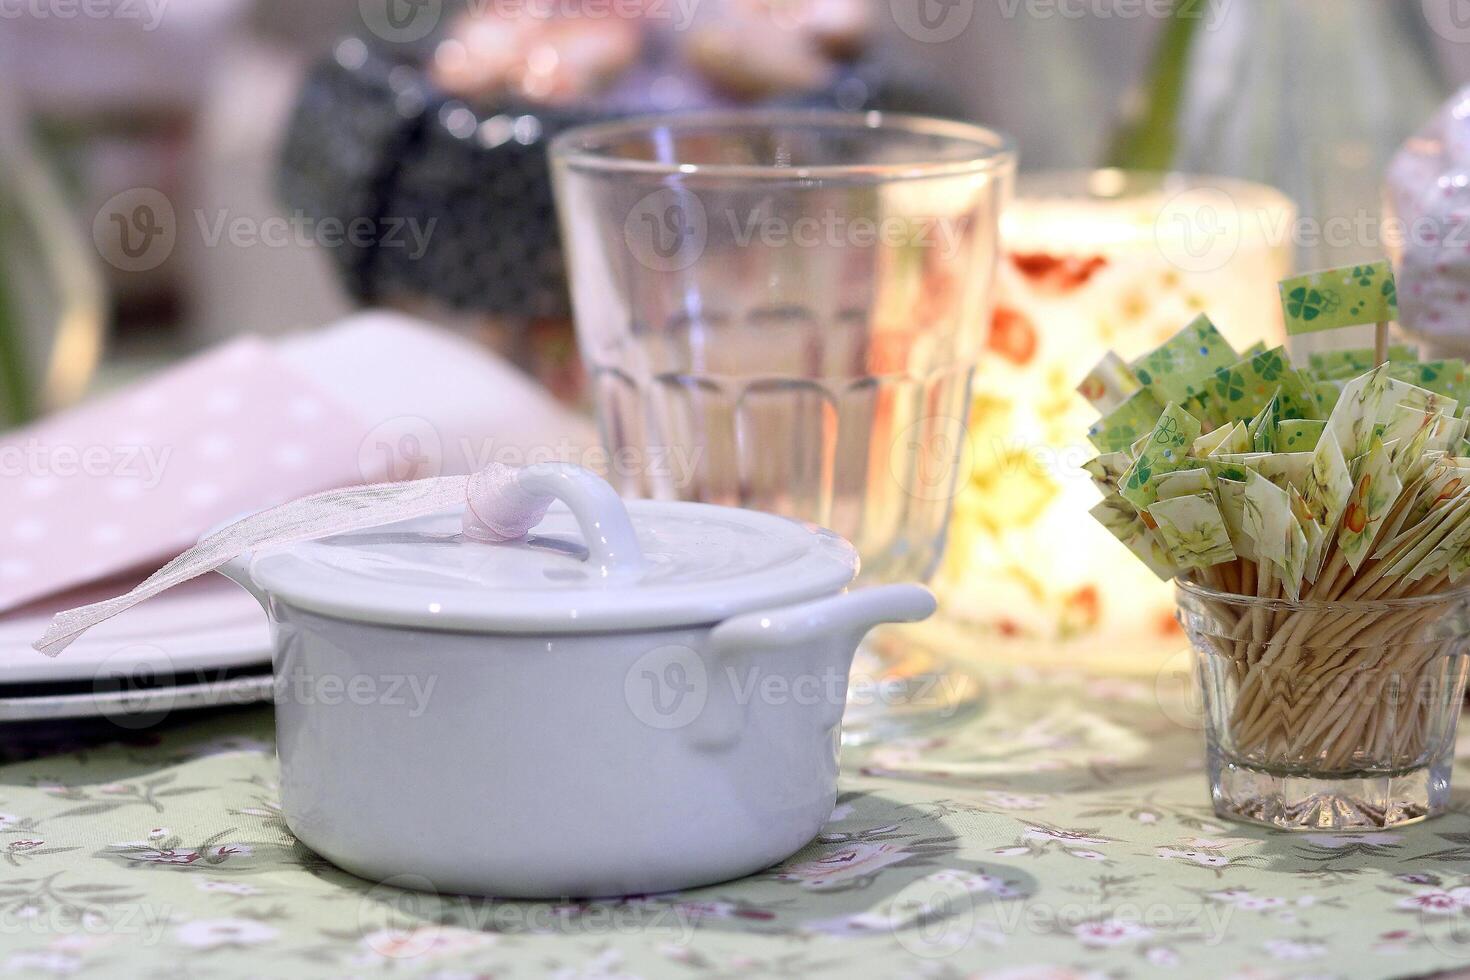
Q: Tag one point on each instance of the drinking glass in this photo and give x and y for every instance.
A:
(782, 310)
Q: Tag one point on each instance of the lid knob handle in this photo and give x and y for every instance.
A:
(505, 504)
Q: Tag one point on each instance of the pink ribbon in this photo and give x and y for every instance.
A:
(497, 509)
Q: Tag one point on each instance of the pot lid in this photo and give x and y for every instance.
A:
(591, 564)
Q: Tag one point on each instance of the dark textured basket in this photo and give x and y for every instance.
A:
(372, 138)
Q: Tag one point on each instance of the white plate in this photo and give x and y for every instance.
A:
(203, 625)
(144, 708)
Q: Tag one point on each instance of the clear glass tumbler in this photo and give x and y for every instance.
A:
(782, 310)
(1328, 714)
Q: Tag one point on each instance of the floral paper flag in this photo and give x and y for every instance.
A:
(1210, 441)
(1166, 450)
(1125, 424)
(1235, 467)
(1442, 553)
(1443, 486)
(1408, 427)
(1374, 493)
(1339, 298)
(1446, 435)
(1356, 413)
(1109, 383)
(1238, 441)
(1285, 469)
(1106, 470)
(1440, 523)
(1273, 529)
(1193, 530)
(1312, 532)
(1126, 524)
(1231, 494)
(1182, 482)
(1327, 489)
(1397, 393)
(1410, 432)
(1182, 367)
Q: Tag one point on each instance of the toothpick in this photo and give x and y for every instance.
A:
(1380, 342)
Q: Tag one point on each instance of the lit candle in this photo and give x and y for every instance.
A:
(1093, 262)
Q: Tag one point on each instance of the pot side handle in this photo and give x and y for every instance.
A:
(852, 613)
(833, 625)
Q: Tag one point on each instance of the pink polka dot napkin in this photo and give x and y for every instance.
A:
(132, 478)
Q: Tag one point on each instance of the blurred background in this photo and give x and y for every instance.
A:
(193, 100)
(175, 173)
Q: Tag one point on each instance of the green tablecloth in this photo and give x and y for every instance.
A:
(1065, 832)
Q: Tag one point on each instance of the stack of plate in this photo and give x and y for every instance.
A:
(205, 644)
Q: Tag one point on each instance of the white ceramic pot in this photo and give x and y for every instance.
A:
(630, 700)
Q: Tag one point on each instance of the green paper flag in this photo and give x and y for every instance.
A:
(1184, 365)
(1344, 297)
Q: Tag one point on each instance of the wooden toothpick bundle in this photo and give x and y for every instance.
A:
(1318, 517)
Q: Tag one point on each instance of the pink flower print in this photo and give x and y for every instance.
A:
(1161, 956)
(1435, 901)
(228, 887)
(1109, 932)
(212, 933)
(1230, 895)
(707, 910)
(1287, 949)
(1394, 943)
(429, 941)
(843, 863)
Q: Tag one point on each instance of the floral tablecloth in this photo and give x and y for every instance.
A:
(1065, 832)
